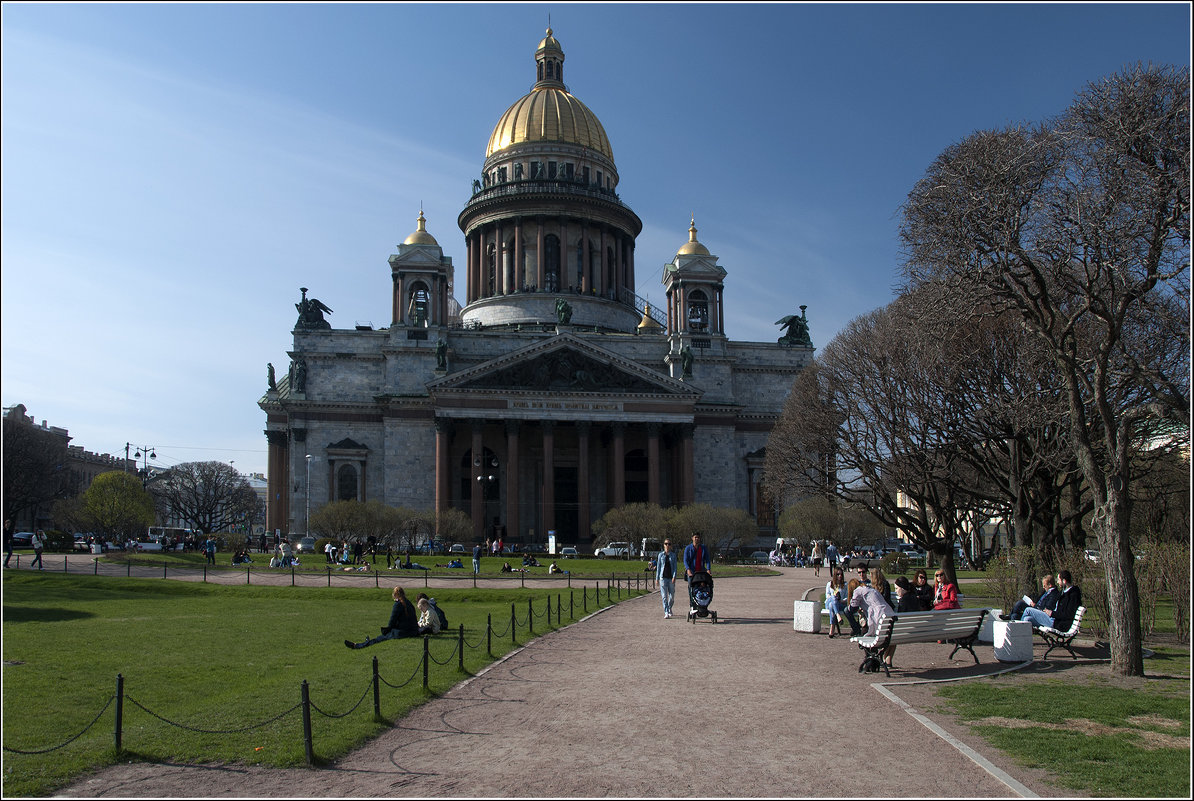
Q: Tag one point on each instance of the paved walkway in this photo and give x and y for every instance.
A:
(628, 704)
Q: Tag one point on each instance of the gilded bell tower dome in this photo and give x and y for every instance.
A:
(545, 221)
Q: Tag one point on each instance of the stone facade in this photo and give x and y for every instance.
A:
(555, 393)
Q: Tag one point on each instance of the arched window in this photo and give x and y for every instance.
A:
(698, 311)
(418, 308)
(346, 483)
(551, 263)
(491, 270)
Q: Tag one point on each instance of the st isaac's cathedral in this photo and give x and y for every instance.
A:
(555, 393)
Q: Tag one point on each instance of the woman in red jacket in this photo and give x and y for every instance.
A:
(945, 593)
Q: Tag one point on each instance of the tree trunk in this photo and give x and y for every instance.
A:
(1111, 528)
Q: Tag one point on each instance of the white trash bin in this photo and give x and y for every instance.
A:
(806, 616)
(1013, 640)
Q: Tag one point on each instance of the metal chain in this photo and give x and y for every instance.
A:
(111, 698)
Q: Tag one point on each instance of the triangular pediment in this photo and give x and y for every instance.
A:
(348, 444)
(417, 258)
(563, 364)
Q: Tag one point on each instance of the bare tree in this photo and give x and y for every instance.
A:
(211, 496)
(1082, 226)
(878, 420)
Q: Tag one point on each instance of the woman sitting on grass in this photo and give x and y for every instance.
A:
(403, 623)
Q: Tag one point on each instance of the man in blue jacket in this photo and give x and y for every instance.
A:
(696, 558)
(1047, 602)
(1062, 615)
(665, 574)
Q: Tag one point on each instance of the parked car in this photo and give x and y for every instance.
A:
(760, 557)
(22, 539)
(305, 545)
(457, 548)
(615, 549)
(82, 542)
(431, 547)
(146, 545)
(568, 552)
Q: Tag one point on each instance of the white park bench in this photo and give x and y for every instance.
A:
(1061, 639)
(958, 627)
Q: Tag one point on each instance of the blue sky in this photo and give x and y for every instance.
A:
(172, 174)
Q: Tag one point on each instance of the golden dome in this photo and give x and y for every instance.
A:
(692, 247)
(648, 323)
(420, 236)
(549, 43)
(549, 112)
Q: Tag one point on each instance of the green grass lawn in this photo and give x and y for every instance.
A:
(579, 569)
(231, 659)
(1099, 736)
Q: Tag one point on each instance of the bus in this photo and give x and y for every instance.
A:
(157, 534)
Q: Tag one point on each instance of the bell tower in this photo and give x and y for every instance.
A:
(422, 281)
(693, 283)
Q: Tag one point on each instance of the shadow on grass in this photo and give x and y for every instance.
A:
(28, 614)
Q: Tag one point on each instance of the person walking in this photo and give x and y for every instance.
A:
(477, 551)
(665, 574)
(39, 544)
(8, 536)
(696, 558)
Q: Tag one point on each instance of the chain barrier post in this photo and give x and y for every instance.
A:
(248, 580)
(549, 612)
(489, 634)
(376, 692)
(584, 594)
(571, 605)
(460, 648)
(329, 570)
(307, 744)
(204, 572)
(128, 565)
(376, 578)
(65, 564)
(513, 639)
(96, 563)
(119, 710)
(426, 659)
(530, 617)
(292, 577)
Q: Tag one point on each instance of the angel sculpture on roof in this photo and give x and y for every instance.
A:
(796, 330)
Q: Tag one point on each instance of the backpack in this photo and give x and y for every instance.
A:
(443, 619)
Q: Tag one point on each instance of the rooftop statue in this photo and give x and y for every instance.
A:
(796, 330)
(311, 314)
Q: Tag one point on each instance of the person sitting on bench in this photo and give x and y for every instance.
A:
(1047, 601)
(1062, 616)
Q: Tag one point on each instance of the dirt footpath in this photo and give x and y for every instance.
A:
(628, 704)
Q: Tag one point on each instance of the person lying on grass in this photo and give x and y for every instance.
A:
(403, 623)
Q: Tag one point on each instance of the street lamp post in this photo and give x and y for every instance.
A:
(307, 517)
(143, 453)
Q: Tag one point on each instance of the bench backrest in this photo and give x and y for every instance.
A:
(1077, 620)
(929, 626)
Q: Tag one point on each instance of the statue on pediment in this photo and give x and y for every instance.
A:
(563, 312)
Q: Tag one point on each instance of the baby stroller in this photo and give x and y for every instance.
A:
(700, 595)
